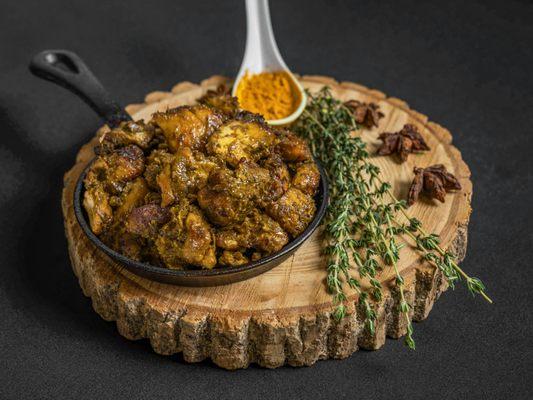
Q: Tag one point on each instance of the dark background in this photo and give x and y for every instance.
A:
(466, 64)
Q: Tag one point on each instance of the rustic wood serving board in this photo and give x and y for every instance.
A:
(283, 316)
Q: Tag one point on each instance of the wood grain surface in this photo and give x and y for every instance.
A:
(283, 316)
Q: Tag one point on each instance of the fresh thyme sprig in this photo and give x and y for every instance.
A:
(361, 227)
(340, 160)
(434, 253)
(377, 213)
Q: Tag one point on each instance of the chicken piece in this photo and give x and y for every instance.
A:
(125, 164)
(270, 236)
(232, 238)
(230, 195)
(306, 178)
(221, 100)
(294, 211)
(186, 239)
(159, 175)
(232, 259)
(190, 172)
(123, 242)
(278, 170)
(188, 126)
(237, 140)
(258, 231)
(116, 235)
(259, 184)
(146, 220)
(99, 211)
(293, 148)
(127, 133)
(199, 247)
(225, 199)
(108, 176)
(114, 170)
(179, 175)
(132, 196)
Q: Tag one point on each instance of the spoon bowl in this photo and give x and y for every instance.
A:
(262, 54)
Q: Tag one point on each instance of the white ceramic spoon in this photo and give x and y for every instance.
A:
(262, 54)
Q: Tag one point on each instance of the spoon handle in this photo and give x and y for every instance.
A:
(261, 49)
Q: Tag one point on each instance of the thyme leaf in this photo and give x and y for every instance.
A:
(362, 228)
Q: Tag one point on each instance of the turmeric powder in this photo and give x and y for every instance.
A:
(271, 94)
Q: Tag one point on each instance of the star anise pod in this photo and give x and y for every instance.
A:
(366, 114)
(434, 181)
(404, 142)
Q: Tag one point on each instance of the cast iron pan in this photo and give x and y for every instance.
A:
(67, 69)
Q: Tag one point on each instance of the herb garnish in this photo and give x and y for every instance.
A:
(362, 228)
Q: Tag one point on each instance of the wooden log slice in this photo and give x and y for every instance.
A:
(283, 316)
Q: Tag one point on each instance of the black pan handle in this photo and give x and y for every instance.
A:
(67, 69)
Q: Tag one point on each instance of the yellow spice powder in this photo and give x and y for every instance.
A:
(271, 94)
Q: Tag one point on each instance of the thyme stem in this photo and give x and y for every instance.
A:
(360, 224)
(474, 284)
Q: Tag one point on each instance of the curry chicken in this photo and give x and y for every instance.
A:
(200, 186)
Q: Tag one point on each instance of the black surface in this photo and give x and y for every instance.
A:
(467, 65)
